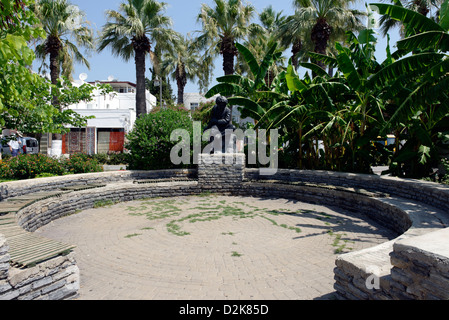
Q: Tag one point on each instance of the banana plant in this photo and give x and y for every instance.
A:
(355, 110)
(253, 97)
(419, 100)
(430, 44)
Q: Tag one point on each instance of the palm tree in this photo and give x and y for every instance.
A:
(259, 41)
(182, 62)
(130, 31)
(222, 26)
(326, 16)
(295, 31)
(62, 21)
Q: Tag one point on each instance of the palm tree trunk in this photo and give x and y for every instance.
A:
(422, 7)
(297, 46)
(53, 48)
(229, 51)
(141, 104)
(320, 35)
(181, 82)
(54, 67)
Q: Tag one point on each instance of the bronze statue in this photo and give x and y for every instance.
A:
(221, 123)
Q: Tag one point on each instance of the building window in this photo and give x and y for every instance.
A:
(110, 140)
(194, 105)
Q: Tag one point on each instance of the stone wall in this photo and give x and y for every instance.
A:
(430, 193)
(18, 188)
(55, 279)
(4, 260)
(412, 266)
(43, 212)
(421, 267)
(221, 170)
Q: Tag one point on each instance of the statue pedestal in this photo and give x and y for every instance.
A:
(219, 170)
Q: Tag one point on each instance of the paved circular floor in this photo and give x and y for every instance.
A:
(211, 247)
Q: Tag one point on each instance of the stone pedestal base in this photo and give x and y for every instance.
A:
(221, 169)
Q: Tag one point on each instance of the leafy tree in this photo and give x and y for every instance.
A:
(130, 32)
(222, 26)
(42, 116)
(25, 96)
(15, 58)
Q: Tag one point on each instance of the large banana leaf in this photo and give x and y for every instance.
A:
(316, 69)
(347, 67)
(249, 106)
(327, 60)
(293, 81)
(437, 40)
(318, 92)
(444, 15)
(265, 66)
(276, 112)
(412, 18)
(409, 106)
(435, 87)
(224, 89)
(249, 58)
(269, 95)
(231, 78)
(417, 62)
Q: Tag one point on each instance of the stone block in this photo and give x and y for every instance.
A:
(4, 286)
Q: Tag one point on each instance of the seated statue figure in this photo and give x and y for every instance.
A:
(221, 124)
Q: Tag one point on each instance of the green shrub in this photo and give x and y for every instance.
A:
(117, 158)
(82, 163)
(149, 142)
(5, 171)
(101, 158)
(28, 166)
(111, 158)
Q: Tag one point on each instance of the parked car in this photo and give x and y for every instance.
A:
(29, 146)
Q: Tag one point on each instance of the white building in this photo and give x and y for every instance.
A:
(114, 116)
(192, 101)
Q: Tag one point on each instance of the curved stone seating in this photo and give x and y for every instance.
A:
(18, 188)
(415, 210)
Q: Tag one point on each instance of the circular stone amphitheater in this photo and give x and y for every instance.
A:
(223, 231)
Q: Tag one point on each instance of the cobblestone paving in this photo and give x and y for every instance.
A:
(211, 247)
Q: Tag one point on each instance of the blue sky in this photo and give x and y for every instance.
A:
(183, 14)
